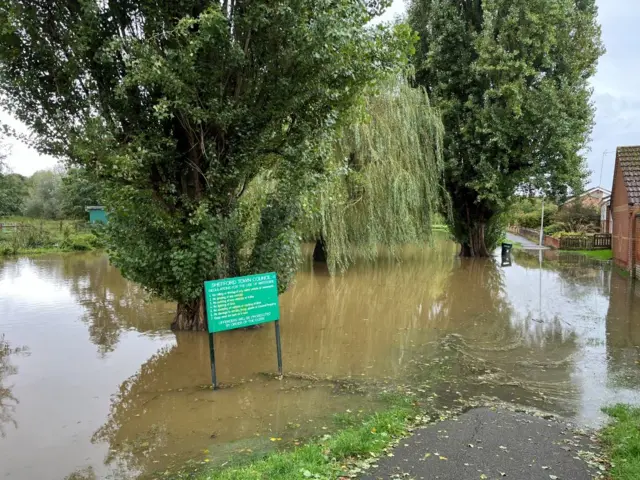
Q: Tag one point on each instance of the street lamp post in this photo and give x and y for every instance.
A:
(542, 222)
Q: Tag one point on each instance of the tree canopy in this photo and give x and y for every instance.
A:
(177, 107)
(511, 78)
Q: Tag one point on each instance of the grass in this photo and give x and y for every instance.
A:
(621, 439)
(329, 457)
(597, 254)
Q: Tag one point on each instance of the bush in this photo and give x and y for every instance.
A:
(525, 212)
(553, 229)
(80, 241)
(579, 218)
(563, 234)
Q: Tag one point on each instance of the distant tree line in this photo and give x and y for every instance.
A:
(48, 194)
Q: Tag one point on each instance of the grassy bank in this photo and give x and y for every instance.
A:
(621, 439)
(349, 451)
(597, 254)
(27, 236)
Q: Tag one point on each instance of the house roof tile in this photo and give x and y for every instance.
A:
(629, 161)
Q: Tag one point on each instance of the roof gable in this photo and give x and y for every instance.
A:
(602, 190)
(628, 159)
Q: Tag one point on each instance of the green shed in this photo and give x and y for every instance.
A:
(97, 214)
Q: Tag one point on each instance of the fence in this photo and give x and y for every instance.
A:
(599, 241)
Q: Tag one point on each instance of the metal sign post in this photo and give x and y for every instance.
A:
(241, 302)
(278, 347)
(212, 355)
(212, 352)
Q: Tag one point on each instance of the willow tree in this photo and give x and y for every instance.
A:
(385, 178)
(512, 80)
(177, 106)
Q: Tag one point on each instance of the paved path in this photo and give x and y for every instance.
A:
(526, 243)
(492, 445)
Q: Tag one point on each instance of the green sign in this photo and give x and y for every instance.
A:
(241, 301)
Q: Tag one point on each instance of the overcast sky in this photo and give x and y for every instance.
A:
(616, 93)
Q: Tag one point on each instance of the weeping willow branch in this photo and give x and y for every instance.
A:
(385, 178)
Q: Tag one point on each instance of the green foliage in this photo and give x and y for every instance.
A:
(30, 237)
(78, 191)
(576, 217)
(34, 236)
(48, 194)
(553, 229)
(385, 178)
(79, 242)
(526, 212)
(511, 78)
(13, 187)
(13, 193)
(177, 107)
(622, 441)
(45, 199)
(564, 234)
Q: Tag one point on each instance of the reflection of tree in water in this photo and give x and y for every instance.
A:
(623, 333)
(579, 274)
(360, 323)
(130, 402)
(111, 303)
(166, 411)
(8, 402)
(364, 322)
(491, 349)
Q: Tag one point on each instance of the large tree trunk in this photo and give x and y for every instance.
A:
(475, 246)
(190, 316)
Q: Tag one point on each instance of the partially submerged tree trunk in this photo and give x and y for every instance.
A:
(475, 246)
(190, 316)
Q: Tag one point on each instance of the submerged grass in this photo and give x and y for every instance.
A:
(622, 441)
(331, 456)
(597, 254)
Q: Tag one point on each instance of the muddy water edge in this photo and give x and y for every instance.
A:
(93, 384)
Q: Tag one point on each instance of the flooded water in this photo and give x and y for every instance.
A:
(93, 384)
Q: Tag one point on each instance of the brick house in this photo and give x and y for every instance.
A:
(625, 210)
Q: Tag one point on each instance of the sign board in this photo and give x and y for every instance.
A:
(241, 301)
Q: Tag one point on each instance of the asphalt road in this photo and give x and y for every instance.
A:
(487, 444)
(526, 243)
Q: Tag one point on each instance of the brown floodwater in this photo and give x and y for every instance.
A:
(93, 384)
